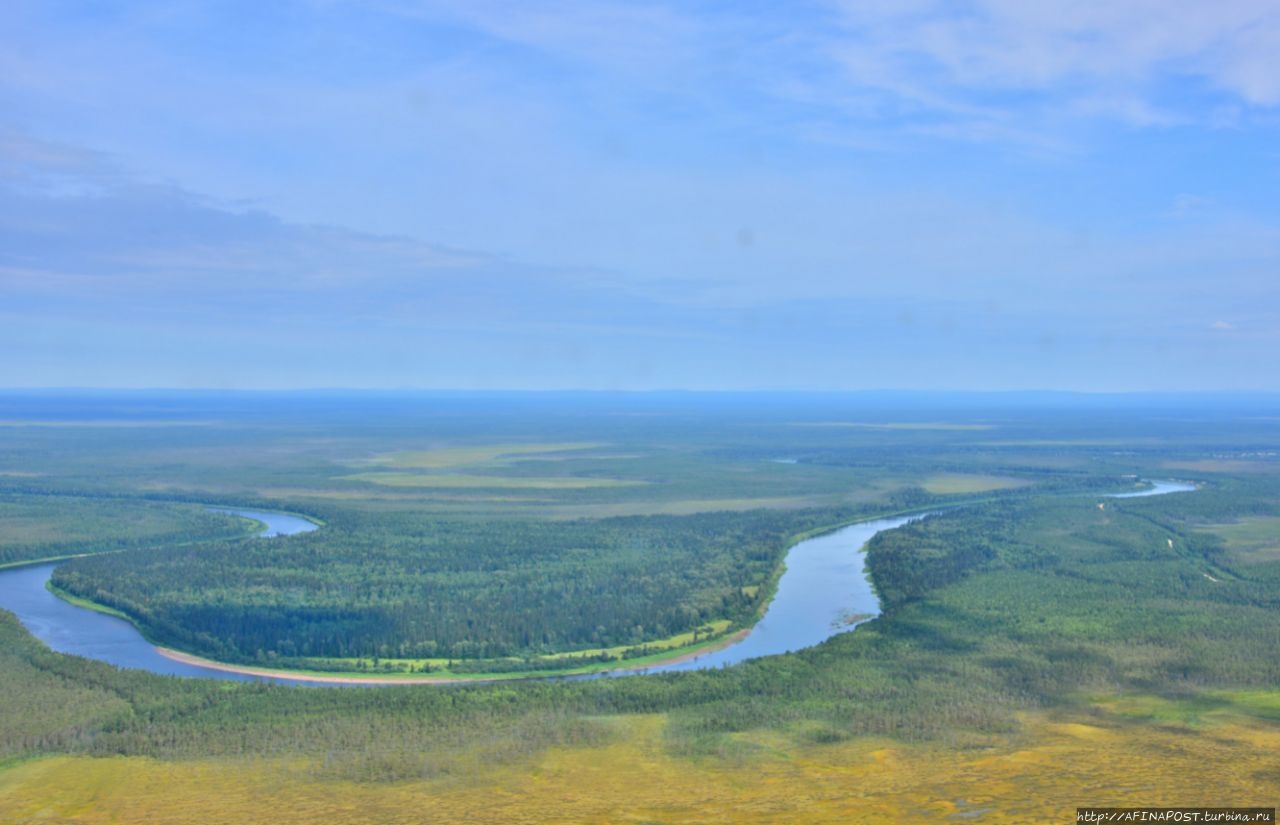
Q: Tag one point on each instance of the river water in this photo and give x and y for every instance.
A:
(823, 591)
(1158, 488)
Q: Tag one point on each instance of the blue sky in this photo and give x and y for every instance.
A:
(1059, 194)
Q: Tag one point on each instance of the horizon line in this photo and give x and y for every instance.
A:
(13, 390)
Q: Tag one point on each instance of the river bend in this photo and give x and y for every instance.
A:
(823, 591)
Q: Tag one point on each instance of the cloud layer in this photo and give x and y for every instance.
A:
(440, 194)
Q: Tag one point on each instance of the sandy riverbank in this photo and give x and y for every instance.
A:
(411, 679)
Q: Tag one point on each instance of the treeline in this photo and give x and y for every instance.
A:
(405, 585)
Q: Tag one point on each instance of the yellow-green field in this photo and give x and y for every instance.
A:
(440, 469)
(468, 481)
(450, 457)
(709, 631)
(710, 635)
(1254, 539)
(1039, 774)
(1203, 711)
(954, 483)
(420, 497)
(683, 507)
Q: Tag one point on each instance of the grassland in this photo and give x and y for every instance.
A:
(1252, 540)
(399, 671)
(440, 468)
(1040, 773)
(487, 454)
(467, 481)
(960, 483)
(691, 506)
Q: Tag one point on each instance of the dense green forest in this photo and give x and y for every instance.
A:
(409, 586)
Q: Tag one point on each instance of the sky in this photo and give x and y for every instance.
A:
(545, 194)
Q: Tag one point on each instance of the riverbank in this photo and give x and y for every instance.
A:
(632, 666)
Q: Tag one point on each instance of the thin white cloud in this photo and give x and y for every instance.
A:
(983, 70)
(1100, 56)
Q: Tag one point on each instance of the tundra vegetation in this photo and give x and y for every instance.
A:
(1041, 646)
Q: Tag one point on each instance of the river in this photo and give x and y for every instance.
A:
(823, 591)
(1158, 488)
(66, 628)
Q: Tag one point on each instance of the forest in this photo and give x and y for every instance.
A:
(402, 585)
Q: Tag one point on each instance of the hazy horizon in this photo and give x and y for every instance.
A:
(826, 196)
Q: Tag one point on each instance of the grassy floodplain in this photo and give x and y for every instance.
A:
(411, 671)
(486, 482)
(1038, 777)
(1041, 647)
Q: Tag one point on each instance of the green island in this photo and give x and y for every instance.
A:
(1039, 639)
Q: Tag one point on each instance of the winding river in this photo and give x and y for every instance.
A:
(67, 628)
(1158, 488)
(823, 591)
